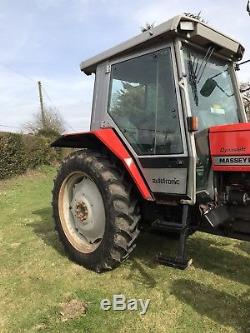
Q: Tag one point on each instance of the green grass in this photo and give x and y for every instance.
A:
(36, 276)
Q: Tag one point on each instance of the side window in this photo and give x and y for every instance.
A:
(143, 104)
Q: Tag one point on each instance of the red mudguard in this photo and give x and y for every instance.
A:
(113, 143)
(230, 147)
(110, 139)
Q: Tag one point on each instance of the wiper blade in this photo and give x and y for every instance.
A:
(192, 68)
(196, 71)
(203, 65)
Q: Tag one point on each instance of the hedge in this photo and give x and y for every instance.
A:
(19, 153)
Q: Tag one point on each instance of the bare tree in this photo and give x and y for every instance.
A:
(147, 27)
(52, 124)
(196, 16)
(245, 93)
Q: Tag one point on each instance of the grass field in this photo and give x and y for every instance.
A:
(36, 276)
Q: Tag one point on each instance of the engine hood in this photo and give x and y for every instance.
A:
(230, 147)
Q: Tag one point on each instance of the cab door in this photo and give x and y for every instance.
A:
(144, 107)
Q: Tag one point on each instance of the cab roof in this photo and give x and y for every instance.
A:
(183, 26)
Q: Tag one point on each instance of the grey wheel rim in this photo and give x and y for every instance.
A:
(82, 212)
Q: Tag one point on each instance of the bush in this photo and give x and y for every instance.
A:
(12, 152)
(39, 152)
(21, 152)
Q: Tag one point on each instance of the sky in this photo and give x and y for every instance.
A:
(47, 39)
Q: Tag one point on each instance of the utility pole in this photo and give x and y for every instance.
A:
(41, 103)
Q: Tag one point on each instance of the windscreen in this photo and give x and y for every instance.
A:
(210, 86)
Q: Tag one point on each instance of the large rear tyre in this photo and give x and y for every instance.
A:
(95, 211)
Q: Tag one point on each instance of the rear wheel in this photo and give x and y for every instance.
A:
(95, 211)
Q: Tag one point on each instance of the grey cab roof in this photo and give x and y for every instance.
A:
(183, 26)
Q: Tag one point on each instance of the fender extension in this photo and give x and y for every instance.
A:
(113, 143)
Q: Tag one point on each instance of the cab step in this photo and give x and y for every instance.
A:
(180, 261)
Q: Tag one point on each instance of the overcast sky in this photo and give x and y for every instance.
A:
(47, 39)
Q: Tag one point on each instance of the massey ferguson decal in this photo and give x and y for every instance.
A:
(232, 160)
(230, 147)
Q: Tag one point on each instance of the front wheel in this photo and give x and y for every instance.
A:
(95, 211)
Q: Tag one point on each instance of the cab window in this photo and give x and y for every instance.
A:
(143, 104)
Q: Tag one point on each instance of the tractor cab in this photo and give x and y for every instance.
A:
(168, 117)
(161, 92)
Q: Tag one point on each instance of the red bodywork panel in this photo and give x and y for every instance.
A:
(112, 141)
(230, 147)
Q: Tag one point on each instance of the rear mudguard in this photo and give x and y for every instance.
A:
(112, 142)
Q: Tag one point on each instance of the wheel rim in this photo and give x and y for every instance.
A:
(82, 212)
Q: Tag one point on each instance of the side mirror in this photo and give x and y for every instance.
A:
(208, 87)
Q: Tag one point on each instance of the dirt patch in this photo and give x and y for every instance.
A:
(73, 309)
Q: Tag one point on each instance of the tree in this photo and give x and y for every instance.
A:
(147, 26)
(245, 94)
(53, 124)
(196, 16)
(129, 102)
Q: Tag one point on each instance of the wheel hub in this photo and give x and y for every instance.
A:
(87, 213)
(81, 211)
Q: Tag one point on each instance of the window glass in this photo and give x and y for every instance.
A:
(143, 104)
(210, 88)
(212, 98)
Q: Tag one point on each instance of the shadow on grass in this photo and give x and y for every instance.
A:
(45, 229)
(219, 306)
(148, 246)
(144, 278)
(207, 254)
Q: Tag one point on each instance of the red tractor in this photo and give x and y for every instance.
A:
(169, 145)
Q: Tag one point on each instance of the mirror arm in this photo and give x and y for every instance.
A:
(221, 89)
(237, 66)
